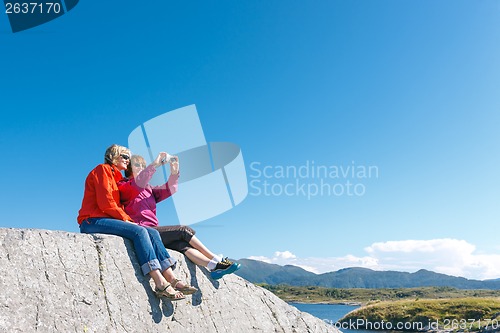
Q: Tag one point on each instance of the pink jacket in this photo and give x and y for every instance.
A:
(139, 198)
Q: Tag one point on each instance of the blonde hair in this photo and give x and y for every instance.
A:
(113, 153)
(134, 159)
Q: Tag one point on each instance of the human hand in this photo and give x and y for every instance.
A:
(174, 166)
(160, 159)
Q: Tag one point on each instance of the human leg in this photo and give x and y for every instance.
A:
(150, 265)
(197, 257)
(177, 237)
(202, 256)
(197, 244)
(200, 250)
(178, 284)
(182, 238)
(137, 234)
(167, 263)
(172, 233)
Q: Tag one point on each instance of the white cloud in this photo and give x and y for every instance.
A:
(284, 255)
(317, 265)
(308, 268)
(261, 258)
(422, 246)
(286, 258)
(448, 256)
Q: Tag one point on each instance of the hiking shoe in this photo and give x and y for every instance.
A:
(224, 267)
(226, 260)
(225, 263)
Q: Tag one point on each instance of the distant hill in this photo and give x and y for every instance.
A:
(260, 272)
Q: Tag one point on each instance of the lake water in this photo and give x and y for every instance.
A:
(331, 313)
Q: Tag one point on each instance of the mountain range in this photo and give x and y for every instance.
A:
(356, 277)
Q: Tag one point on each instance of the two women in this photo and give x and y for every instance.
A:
(102, 212)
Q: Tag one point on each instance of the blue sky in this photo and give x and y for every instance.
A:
(410, 87)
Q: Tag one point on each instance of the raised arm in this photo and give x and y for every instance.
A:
(170, 187)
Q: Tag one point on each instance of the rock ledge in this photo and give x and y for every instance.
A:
(55, 281)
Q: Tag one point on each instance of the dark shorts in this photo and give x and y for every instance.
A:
(176, 237)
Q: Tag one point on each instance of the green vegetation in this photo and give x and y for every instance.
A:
(364, 296)
(424, 308)
(459, 314)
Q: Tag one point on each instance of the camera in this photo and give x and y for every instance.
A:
(169, 159)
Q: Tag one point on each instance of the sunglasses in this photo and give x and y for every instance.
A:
(139, 165)
(125, 157)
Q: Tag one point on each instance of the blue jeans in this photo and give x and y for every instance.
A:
(149, 248)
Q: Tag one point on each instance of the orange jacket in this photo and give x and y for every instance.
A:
(101, 197)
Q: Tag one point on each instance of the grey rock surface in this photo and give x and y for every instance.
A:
(55, 281)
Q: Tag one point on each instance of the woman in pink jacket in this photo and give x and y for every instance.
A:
(140, 198)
